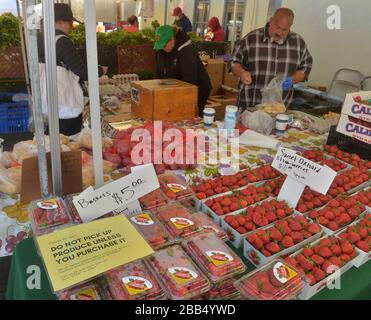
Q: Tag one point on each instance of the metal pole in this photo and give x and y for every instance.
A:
(234, 29)
(166, 8)
(91, 50)
(21, 34)
(31, 39)
(52, 95)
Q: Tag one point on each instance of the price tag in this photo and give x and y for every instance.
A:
(120, 193)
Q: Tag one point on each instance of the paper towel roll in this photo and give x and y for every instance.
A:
(255, 139)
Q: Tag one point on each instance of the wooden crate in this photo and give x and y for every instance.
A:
(215, 70)
(167, 100)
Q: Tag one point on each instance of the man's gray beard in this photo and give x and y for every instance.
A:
(280, 41)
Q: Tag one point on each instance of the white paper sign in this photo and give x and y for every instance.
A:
(309, 173)
(291, 192)
(129, 209)
(117, 194)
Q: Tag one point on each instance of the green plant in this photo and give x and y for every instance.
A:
(9, 31)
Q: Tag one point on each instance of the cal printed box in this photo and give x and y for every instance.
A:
(358, 105)
(167, 100)
(355, 128)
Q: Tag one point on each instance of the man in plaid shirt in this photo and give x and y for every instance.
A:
(268, 52)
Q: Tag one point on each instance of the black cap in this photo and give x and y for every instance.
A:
(62, 11)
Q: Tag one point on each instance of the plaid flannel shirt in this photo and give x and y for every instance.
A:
(265, 60)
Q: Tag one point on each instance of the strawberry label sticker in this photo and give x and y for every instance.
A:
(283, 273)
(136, 285)
(85, 294)
(50, 204)
(182, 275)
(219, 258)
(143, 219)
(176, 187)
(209, 228)
(181, 223)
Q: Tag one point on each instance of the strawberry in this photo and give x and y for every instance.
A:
(306, 265)
(273, 247)
(313, 228)
(345, 257)
(266, 253)
(311, 279)
(318, 274)
(327, 267)
(346, 247)
(252, 237)
(325, 252)
(336, 261)
(326, 242)
(258, 244)
(333, 226)
(241, 220)
(297, 236)
(295, 226)
(363, 246)
(308, 252)
(302, 208)
(336, 250)
(226, 202)
(271, 216)
(317, 259)
(275, 234)
(353, 237)
(288, 242)
(241, 230)
(323, 221)
(363, 233)
(234, 224)
(291, 261)
(313, 214)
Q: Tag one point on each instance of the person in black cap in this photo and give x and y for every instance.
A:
(177, 58)
(69, 58)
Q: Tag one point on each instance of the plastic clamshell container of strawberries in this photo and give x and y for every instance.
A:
(277, 280)
(225, 290)
(134, 281)
(208, 225)
(151, 230)
(214, 257)
(48, 215)
(76, 219)
(174, 187)
(153, 200)
(180, 277)
(178, 221)
(92, 290)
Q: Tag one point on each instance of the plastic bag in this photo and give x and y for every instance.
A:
(111, 103)
(10, 180)
(272, 93)
(258, 121)
(6, 159)
(21, 148)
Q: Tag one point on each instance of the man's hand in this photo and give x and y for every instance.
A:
(246, 77)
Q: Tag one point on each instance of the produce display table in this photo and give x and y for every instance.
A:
(355, 283)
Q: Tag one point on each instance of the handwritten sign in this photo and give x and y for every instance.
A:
(291, 192)
(318, 178)
(117, 194)
(76, 254)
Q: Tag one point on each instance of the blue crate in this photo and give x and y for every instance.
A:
(14, 117)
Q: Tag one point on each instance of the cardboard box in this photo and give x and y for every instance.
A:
(350, 128)
(219, 110)
(215, 69)
(355, 109)
(229, 79)
(167, 100)
(222, 99)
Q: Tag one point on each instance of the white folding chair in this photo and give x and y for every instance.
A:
(345, 81)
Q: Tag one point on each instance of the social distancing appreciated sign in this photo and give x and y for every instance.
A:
(79, 253)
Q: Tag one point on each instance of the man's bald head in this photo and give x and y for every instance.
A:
(280, 24)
